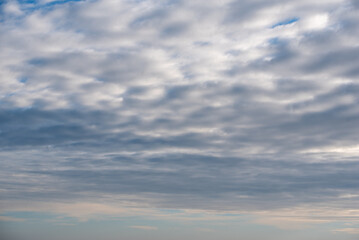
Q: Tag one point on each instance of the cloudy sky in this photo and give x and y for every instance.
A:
(172, 119)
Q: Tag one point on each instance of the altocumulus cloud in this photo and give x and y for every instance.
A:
(246, 106)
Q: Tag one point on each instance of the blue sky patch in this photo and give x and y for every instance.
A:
(23, 79)
(286, 22)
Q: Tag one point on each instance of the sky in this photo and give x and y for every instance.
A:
(178, 119)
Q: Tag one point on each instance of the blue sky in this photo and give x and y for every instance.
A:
(286, 22)
(130, 119)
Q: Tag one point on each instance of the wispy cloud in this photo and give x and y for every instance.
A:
(348, 230)
(11, 219)
(144, 227)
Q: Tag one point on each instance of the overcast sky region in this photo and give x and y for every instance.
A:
(179, 119)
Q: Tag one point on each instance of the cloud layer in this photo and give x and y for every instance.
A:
(223, 105)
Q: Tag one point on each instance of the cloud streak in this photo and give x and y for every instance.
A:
(144, 227)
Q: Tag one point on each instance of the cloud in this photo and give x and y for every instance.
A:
(11, 219)
(348, 230)
(144, 227)
(228, 105)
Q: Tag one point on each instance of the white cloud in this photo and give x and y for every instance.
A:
(315, 22)
(12, 8)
